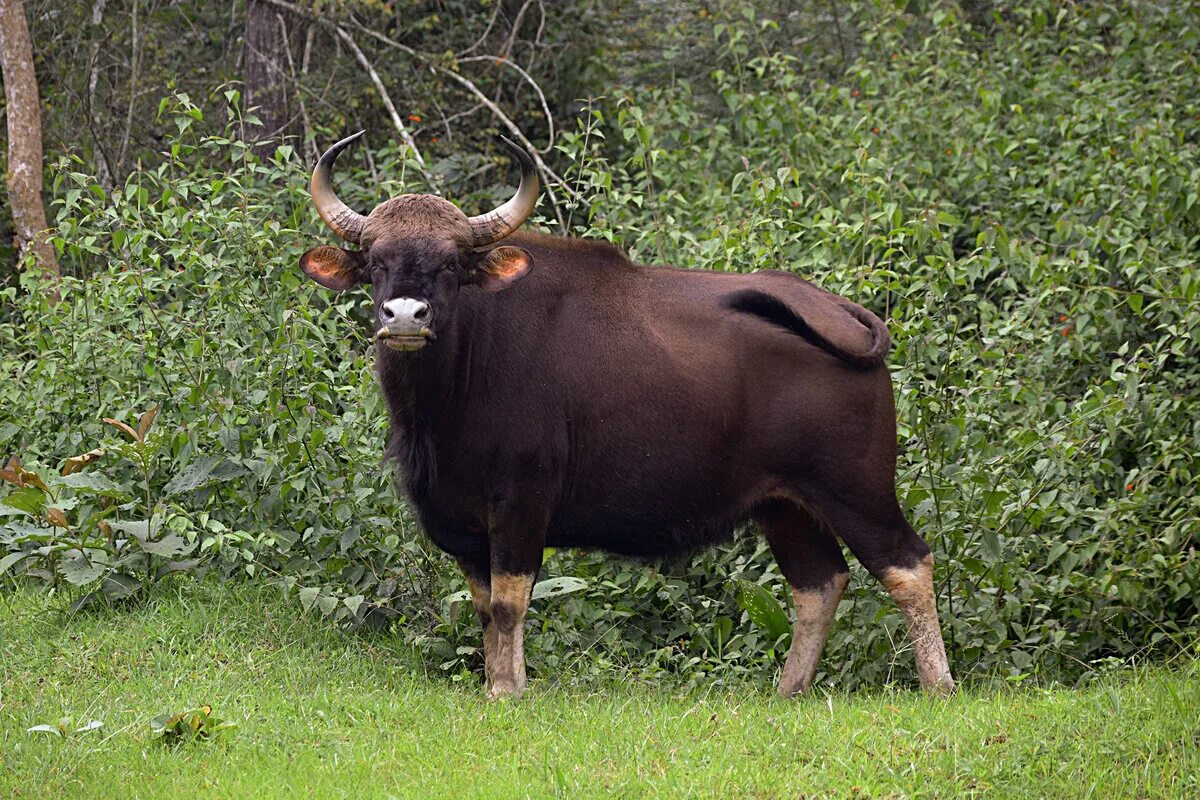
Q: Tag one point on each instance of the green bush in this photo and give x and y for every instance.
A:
(1020, 203)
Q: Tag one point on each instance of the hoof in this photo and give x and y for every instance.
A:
(503, 691)
(791, 689)
(942, 687)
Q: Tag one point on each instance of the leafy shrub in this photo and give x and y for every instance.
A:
(1020, 204)
(1022, 208)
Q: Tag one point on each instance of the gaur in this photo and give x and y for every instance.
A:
(547, 392)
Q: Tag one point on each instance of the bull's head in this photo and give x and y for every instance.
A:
(417, 250)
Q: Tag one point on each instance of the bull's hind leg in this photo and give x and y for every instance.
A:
(811, 560)
(881, 538)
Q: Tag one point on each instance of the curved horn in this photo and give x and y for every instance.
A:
(495, 225)
(338, 216)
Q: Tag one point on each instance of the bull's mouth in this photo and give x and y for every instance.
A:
(404, 342)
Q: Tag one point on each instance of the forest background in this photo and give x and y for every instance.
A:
(1012, 186)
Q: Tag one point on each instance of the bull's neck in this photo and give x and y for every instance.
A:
(419, 386)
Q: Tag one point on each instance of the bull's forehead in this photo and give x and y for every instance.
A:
(417, 216)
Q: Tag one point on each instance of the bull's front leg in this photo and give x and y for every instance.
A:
(478, 572)
(517, 537)
(510, 602)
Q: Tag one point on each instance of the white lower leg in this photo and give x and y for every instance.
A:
(510, 601)
(815, 610)
(912, 589)
(481, 601)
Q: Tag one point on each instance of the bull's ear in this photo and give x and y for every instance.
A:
(501, 267)
(334, 268)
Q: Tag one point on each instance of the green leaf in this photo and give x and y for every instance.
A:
(95, 483)
(77, 569)
(52, 729)
(29, 500)
(308, 597)
(10, 559)
(458, 597)
(137, 528)
(186, 726)
(168, 546)
(120, 586)
(991, 543)
(763, 609)
(327, 603)
(84, 601)
(554, 587)
(193, 476)
(178, 566)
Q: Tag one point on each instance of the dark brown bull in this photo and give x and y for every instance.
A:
(596, 403)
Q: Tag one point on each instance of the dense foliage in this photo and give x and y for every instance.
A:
(1018, 199)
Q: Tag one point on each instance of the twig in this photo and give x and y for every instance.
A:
(104, 172)
(516, 28)
(550, 178)
(387, 101)
(133, 76)
(837, 26)
(309, 35)
(287, 48)
(541, 95)
(483, 36)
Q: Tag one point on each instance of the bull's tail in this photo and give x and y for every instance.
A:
(841, 328)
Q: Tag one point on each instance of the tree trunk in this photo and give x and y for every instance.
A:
(266, 74)
(24, 138)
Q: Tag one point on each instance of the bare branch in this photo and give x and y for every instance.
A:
(133, 79)
(104, 173)
(516, 28)
(483, 36)
(287, 48)
(528, 79)
(387, 101)
(550, 178)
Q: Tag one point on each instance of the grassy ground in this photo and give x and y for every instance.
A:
(325, 715)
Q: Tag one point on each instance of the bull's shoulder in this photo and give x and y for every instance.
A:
(569, 252)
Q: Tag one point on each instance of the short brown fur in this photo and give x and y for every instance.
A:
(595, 403)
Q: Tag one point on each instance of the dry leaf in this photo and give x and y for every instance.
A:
(116, 423)
(76, 463)
(12, 473)
(57, 518)
(146, 421)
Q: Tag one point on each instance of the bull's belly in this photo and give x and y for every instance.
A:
(648, 525)
(625, 521)
(646, 542)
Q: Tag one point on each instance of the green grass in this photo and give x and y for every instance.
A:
(323, 714)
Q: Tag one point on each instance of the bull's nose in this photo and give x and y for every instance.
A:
(404, 312)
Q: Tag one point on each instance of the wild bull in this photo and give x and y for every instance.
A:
(547, 392)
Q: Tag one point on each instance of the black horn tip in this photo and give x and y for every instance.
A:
(340, 145)
(519, 152)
